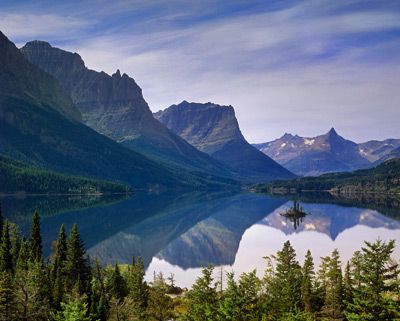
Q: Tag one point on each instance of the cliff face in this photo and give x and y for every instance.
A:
(114, 106)
(20, 79)
(214, 130)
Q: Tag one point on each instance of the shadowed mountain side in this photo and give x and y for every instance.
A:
(115, 107)
(329, 219)
(214, 130)
(216, 239)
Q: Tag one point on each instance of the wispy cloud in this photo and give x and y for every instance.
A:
(298, 66)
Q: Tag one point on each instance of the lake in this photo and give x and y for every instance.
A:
(180, 233)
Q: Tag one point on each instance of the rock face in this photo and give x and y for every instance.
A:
(311, 156)
(114, 106)
(214, 130)
(40, 125)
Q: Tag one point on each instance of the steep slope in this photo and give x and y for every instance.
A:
(39, 124)
(114, 106)
(315, 155)
(214, 130)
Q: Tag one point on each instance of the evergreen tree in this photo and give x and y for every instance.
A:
(6, 263)
(57, 269)
(98, 301)
(284, 284)
(160, 305)
(307, 284)
(36, 238)
(377, 296)
(202, 298)
(348, 287)
(249, 288)
(333, 282)
(229, 308)
(74, 310)
(6, 296)
(116, 285)
(138, 289)
(77, 270)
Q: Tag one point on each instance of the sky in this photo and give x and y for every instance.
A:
(300, 67)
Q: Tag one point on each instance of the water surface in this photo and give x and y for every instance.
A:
(180, 233)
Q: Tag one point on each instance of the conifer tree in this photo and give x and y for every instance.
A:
(57, 269)
(347, 285)
(77, 269)
(229, 307)
(36, 238)
(377, 296)
(6, 263)
(138, 289)
(160, 305)
(1, 220)
(285, 283)
(333, 282)
(307, 284)
(116, 285)
(6, 296)
(202, 298)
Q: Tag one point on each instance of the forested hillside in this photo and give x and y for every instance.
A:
(16, 176)
(385, 178)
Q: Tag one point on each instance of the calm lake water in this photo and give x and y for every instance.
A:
(180, 233)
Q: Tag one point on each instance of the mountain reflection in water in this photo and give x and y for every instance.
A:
(180, 233)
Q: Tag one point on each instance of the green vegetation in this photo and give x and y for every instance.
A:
(385, 178)
(70, 287)
(20, 177)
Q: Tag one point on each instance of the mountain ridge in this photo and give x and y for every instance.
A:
(330, 152)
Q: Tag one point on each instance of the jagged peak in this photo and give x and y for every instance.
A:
(117, 74)
(287, 136)
(332, 132)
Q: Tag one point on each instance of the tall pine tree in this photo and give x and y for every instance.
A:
(6, 263)
(36, 238)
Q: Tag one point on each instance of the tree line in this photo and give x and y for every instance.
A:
(68, 286)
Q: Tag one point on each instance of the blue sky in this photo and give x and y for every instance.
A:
(286, 66)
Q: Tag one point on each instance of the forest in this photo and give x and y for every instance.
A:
(384, 178)
(69, 286)
(17, 177)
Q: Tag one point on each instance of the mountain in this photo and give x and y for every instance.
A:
(18, 177)
(214, 130)
(114, 106)
(39, 124)
(384, 178)
(310, 156)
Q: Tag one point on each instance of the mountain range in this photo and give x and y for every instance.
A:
(214, 129)
(311, 156)
(41, 125)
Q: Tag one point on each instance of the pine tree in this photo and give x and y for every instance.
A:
(98, 301)
(284, 285)
(36, 238)
(333, 282)
(116, 285)
(6, 264)
(138, 289)
(74, 310)
(377, 296)
(307, 284)
(348, 287)
(249, 287)
(202, 298)
(57, 269)
(77, 268)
